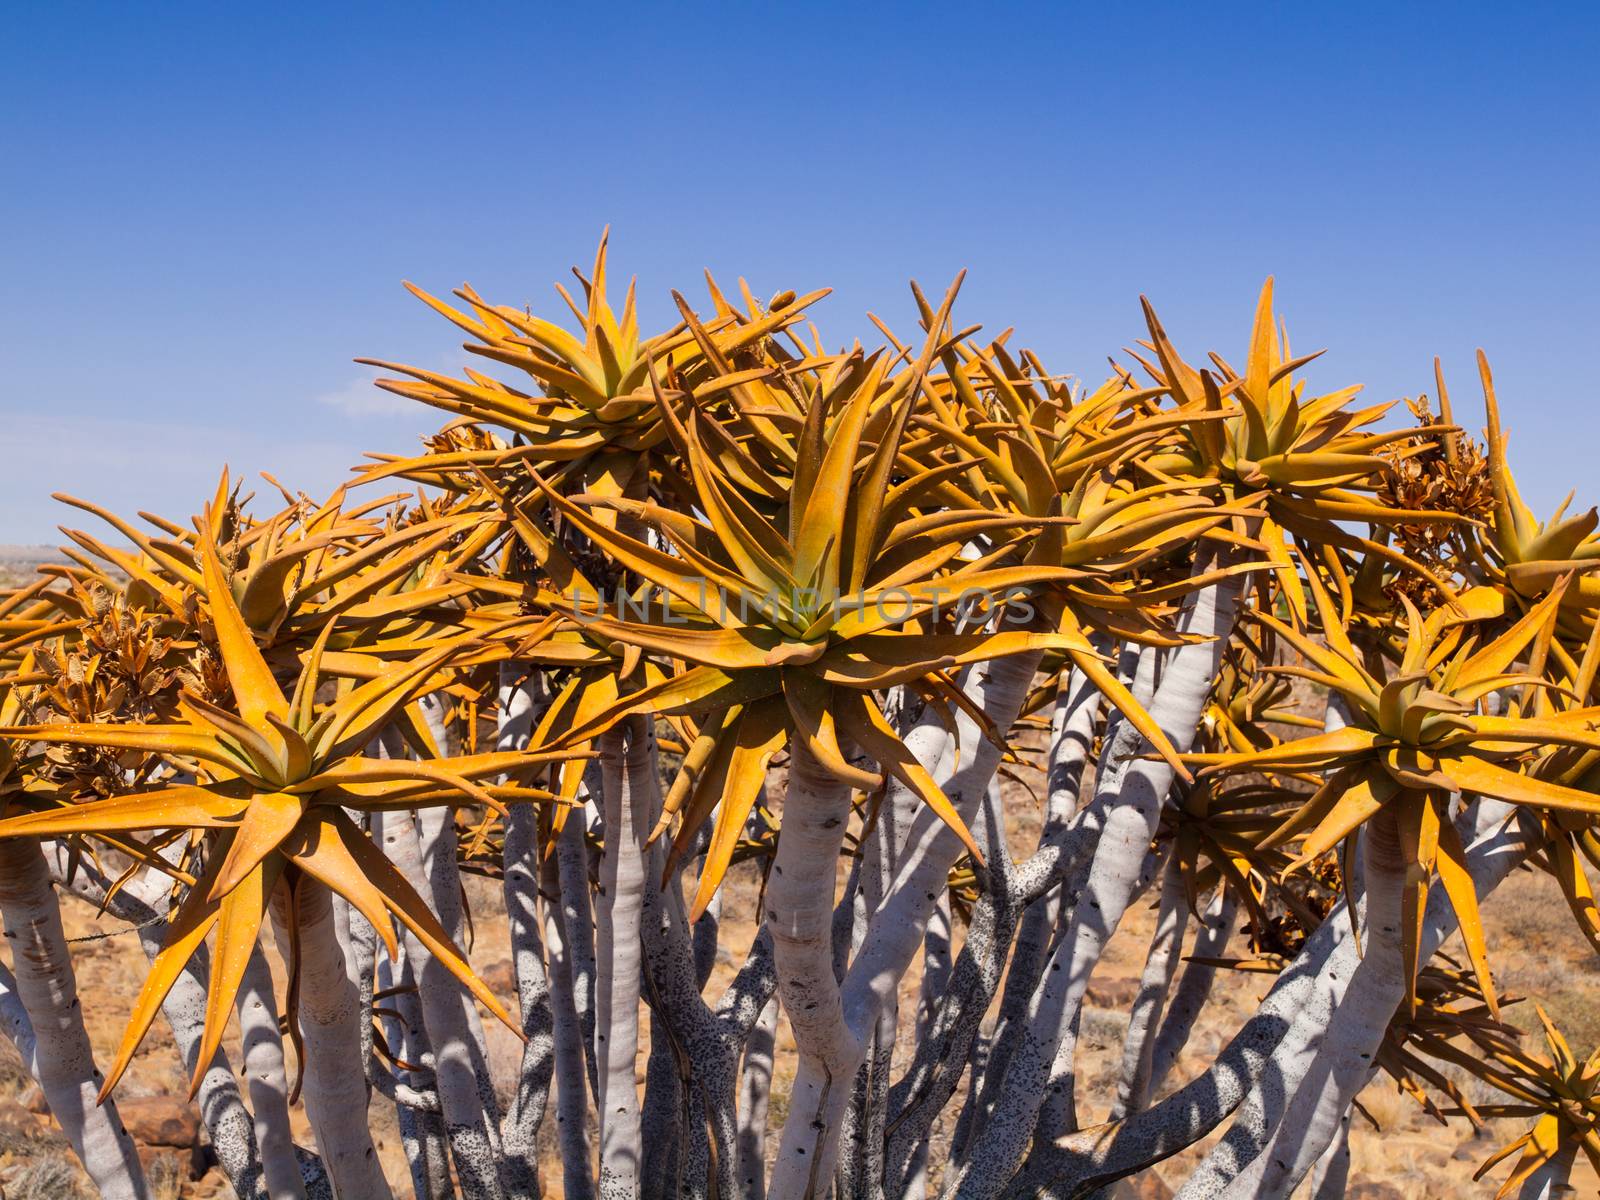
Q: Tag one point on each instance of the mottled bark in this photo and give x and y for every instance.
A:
(1141, 785)
(1194, 986)
(422, 1132)
(571, 1076)
(1331, 1177)
(519, 701)
(335, 1087)
(755, 1093)
(1489, 860)
(460, 1070)
(800, 918)
(48, 992)
(628, 761)
(1160, 968)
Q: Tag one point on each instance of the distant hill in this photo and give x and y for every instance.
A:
(29, 556)
(17, 562)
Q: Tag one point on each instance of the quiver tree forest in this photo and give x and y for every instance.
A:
(1302, 673)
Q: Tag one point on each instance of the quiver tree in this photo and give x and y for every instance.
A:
(675, 614)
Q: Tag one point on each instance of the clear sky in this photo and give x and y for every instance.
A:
(207, 211)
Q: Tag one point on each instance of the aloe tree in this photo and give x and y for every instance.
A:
(647, 577)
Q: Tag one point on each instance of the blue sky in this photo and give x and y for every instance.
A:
(208, 211)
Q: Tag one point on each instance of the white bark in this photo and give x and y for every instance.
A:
(755, 1092)
(459, 1066)
(141, 903)
(17, 1026)
(628, 762)
(1160, 968)
(1550, 1180)
(577, 915)
(520, 856)
(1296, 1105)
(1194, 986)
(436, 838)
(422, 1133)
(1351, 1040)
(184, 1007)
(952, 1039)
(936, 964)
(895, 934)
(1332, 1174)
(48, 992)
(572, 1082)
(1140, 786)
(800, 902)
(335, 1088)
(266, 1079)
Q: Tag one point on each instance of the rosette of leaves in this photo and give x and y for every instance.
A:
(1314, 459)
(589, 410)
(1416, 738)
(380, 572)
(788, 625)
(1559, 1090)
(1526, 556)
(274, 775)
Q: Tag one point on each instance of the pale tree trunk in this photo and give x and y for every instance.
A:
(1119, 862)
(1080, 1163)
(360, 940)
(936, 972)
(1160, 968)
(1302, 996)
(998, 688)
(952, 1040)
(577, 914)
(628, 760)
(458, 1061)
(266, 1157)
(800, 903)
(1550, 1181)
(335, 1087)
(860, 1172)
(1315, 1112)
(705, 1041)
(1072, 729)
(422, 1133)
(1293, 1143)
(572, 1081)
(755, 1092)
(221, 1106)
(956, 997)
(520, 855)
(520, 1128)
(143, 904)
(17, 1026)
(1137, 670)
(664, 1109)
(1332, 1174)
(936, 964)
(1194, 986)
(48, 992)
(436, 839)
(895, 932)
(1347, 1049)
(266, 1079)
